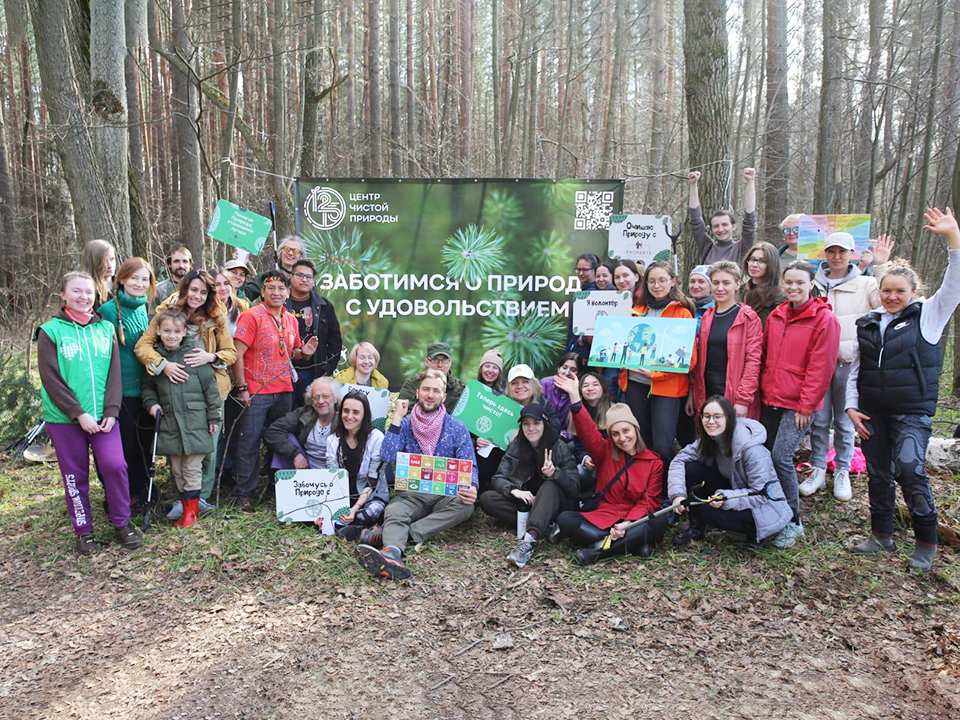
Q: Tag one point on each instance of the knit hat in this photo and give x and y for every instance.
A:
(703, 270)
(494, 357)
(521, 370)
(621, 412)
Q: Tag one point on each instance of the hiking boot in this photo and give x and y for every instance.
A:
(817, 480)
(86, 544)
(190, 512)
(522, 551)
(176, 512)
(244, 503)
(922, 557)
(874, 544)
(841, 485)
(350, 533)
(381, 563)
(789, 535)
(372, 536)
(553, 534)
(128, 536)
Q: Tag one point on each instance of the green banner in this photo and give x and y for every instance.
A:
(240, 228)
(478, 263)
(493, 417)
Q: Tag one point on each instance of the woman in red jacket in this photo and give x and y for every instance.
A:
(800, 340)
(656, 399)
(629, 473)
(730, 347)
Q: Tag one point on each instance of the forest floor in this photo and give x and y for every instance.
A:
(242, 617)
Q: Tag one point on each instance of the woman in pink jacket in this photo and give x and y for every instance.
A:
(730, 347)
(800, 342)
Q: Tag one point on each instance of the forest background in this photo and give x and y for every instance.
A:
(127, 120)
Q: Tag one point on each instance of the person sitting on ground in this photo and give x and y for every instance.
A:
(354, 446)
(416, 516)
(722, 222)
(728, 455)
(560, 401)
(300, 436)
(595, 395)
(628, 484)
(490, 373)
(364, 359)
(190, 411)
(537, 475)
(524, 388)
(439, 357)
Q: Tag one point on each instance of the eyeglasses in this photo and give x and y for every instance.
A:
(659, 281)
(303, 276)
(712, 418)
(791, 231)
(292, 252)
(583, 270)
(757, 261)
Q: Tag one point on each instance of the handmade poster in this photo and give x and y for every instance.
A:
(641, 238)
(493, 417)
(588, 306)
(815, 228)
(305, 495)
(662, 344)
(240, 228)
(379, 399)
(432, 475)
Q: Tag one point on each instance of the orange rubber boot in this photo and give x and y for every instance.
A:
(191, 508)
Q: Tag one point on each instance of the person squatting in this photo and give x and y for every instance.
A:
(604, 460)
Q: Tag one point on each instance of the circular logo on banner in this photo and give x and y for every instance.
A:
(324, 208)
(484, 424)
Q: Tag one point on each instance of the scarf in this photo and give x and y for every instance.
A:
(703, 302)
(659, 304)
(426, 427)
(78, 318)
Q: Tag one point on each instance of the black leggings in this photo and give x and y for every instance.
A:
(584, 533)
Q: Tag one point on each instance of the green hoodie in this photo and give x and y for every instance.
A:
(76, 366)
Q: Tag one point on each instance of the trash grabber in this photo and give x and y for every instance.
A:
(152, 470)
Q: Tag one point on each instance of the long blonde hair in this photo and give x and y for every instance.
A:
(124, 273)
(92, 260)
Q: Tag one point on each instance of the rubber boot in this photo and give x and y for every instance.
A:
(191, 508)
(633, 542)
(923, 556)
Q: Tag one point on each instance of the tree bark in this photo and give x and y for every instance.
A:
(412, 147)
(373, 60)
(136, 35)
(613, 97)
(866, 131)
(825, 184)
(466, 79)
(776, 144)
(396, 156)
(708, 103)
(311, 94)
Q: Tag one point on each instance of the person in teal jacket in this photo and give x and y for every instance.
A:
(190, 412)
(79, 365)
(134, 286)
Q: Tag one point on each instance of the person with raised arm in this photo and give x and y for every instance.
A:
(722, 246)
(892, 394)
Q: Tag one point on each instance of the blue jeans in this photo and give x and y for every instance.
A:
(843, 430)
(783, 439)
(263, 409)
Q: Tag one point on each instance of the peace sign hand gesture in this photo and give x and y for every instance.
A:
(548, 469)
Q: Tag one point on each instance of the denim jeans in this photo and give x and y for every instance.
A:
(263, 409)
(783, 439)
(843, 430)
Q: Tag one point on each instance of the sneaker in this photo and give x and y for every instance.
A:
(381, 563)
(841, 485)
(817, 480)
(128, 536)
(372, 536)
(205, 506)
(86, 544)
(788, 536)
(522, 552)
(176, 512)
(350, 533)
(553, 534)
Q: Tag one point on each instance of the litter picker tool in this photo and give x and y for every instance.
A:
(152, 470)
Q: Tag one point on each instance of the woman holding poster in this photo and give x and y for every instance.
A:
(657, 398)
(490, 373)
(800, 354)
(730, 343)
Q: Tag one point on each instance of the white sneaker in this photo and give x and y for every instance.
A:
(841, 485)
(817, 480)
(176, 512)
(788, 536)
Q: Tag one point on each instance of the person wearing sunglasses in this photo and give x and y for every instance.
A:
(316, 318)
(289, 251)
(790, 227)
(267, 340)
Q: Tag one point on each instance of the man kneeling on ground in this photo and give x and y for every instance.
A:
(429, 430)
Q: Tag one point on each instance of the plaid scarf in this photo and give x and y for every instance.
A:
(426, 427)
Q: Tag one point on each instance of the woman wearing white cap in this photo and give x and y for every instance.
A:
(851, 294)
(524, 388)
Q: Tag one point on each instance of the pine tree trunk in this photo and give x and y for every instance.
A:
(136, 36)
(776, 143)
(824, 184)
(412, 146)
(613, 98)
(396, 156)
(373, 60)
(466, 79)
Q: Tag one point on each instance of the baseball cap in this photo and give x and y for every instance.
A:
(533, 410)
(521, 370)
(840, 239)
(439, 348)
(234, 264)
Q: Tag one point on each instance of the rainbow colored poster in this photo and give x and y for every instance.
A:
(432, 475)
(815, 228)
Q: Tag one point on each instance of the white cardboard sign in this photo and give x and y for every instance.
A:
(589, 305)
(305, 495)
(641, 238)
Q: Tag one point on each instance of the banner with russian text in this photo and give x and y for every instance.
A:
(477, 263)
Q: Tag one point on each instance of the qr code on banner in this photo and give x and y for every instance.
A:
(593, 210)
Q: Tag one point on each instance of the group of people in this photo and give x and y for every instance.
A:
(601, 457)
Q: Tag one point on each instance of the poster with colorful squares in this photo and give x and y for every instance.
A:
(431, 474)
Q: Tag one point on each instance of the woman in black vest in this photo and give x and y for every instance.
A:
(892, 394)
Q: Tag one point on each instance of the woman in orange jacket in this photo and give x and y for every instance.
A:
(657, 398)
